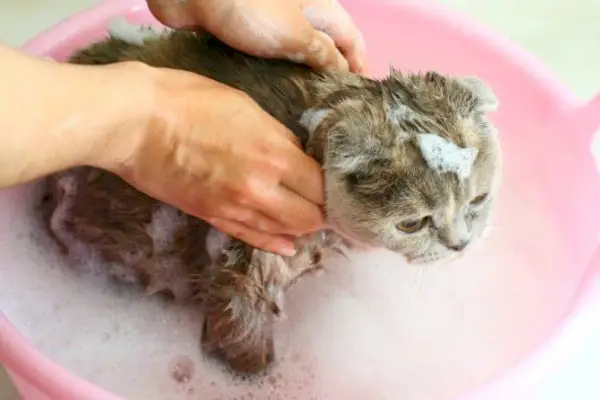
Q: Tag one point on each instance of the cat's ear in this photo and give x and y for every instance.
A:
(485, 97)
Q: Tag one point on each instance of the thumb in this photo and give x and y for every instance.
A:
(315, 49)
(172, 13)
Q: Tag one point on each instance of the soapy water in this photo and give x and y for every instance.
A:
(168, 333)
(371, 327)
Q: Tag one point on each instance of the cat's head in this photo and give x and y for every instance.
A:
(411, 162)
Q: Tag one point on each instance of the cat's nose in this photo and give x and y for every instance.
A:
(459, 246)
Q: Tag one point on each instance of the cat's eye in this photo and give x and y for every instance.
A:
(412, 225)
(479, 199)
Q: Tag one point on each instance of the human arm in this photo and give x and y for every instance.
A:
(55, 116)
(164, 132)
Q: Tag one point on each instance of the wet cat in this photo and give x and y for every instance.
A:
(410, 161)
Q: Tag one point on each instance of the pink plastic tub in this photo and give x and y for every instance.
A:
(519, 318)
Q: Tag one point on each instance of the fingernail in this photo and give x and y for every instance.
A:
(360, 67)
(285, 248)
(343, 64)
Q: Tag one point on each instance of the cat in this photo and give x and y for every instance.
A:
(411, 164)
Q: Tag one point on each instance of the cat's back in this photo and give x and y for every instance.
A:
(279, 87)
(206, 55)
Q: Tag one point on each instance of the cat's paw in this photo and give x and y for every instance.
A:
(246, 350)
(242, 295)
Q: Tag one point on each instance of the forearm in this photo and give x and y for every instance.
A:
(55, 116)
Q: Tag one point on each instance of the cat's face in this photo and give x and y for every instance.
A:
(383, 186)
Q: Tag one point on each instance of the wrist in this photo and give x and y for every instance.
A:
(56, 116)
(114, 102)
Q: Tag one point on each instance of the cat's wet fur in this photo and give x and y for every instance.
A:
(363, 133)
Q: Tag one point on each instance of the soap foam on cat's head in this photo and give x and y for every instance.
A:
(443, 155)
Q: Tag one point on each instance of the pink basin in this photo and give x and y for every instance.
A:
(518, 318)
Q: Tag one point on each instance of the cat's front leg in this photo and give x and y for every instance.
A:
(242, 296)
(243, 292)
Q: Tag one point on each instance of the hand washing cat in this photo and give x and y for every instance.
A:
(411, 163)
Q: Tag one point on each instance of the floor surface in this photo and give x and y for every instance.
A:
(563, 34)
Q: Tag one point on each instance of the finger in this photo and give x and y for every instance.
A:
(290, 209)
(323, 54)
(285, 132)
(299, 172)
(352, 45)
(353, 53)
(303, 175)
(316, 49)
(274, 243)
(267, 120)
(257, 221)
(172, 13)
(335, 21)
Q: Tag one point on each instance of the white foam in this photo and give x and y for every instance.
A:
(166, 221)
(371, 327)
(444, 155)
(312, 118)
(215, 242)
(120, 28)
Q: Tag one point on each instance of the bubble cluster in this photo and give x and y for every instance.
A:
(369, 328)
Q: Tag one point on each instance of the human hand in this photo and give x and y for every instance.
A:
(211, 151)
(319, 33)
(199, 145)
